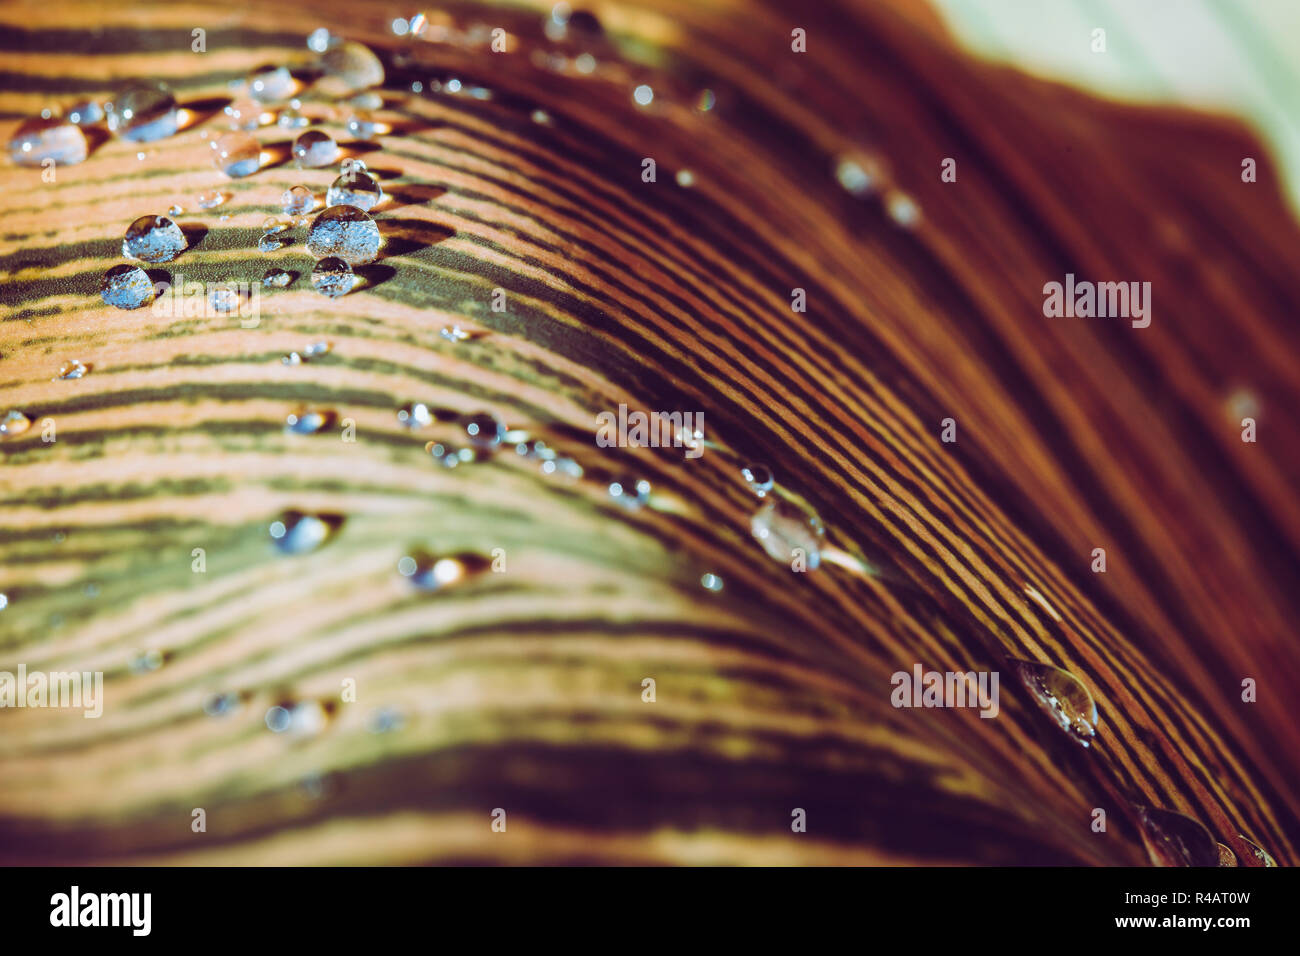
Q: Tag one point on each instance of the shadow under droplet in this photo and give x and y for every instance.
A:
(96, 136)
(194, 233)
(200, 111)
(373, 275)
(414, 194)
(276, 154)
(402, 236)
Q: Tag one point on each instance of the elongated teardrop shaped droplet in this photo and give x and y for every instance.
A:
(1063, 696)
(789, 533)
(1173, 839)
(1261, 856)
(297, 533)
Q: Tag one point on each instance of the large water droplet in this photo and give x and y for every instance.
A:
(355, 189)
(144, 113)
(333, 277)
(153, 239)
(787, 531)
(1063, 696)
(297, 533)
(315, 148)
(346, 232)
(236, 154)
(1172, 839)
(13, 423)
(40, 139)
(126, 287)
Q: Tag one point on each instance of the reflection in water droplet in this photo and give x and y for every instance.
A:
(297, 201)
(1226, 856)
(1260, 854)
(348, 67)
(333, 277)
(153, 239)
(357, 189)
(345, 232)
(1063, 696)
(276, 278)
(711, 582)
(126, 287)
(297, 533)
(218, 705)
(236, 154)
(271, 84)
(783, 527)
(144, 114)
(314, 149)
(1173, 839)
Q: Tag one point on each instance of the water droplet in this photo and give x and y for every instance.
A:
(224, 297)
(85, 113)
(278, 719)
(415, 415)
(444, 455)
(484, 429)
(685, 178)
(153, 239)
(277, 278)
(1173, 839)
(308, 421)
(1259, 853)
(631, 493)
(293, 358)
(346, 232)
(541, 117)
(1226, 856)
(860, 174)
(386, 720)
(902, 209)
(297, 201)
(355, 189)
(711, 582)
(333, 277)
(247, 115)
(643, 95)
(174, 210)
(269, 243)
(705, 101)
(37, 140)
(585, 63)
(320, 40)
(401, 26)
(1242, 403)
(759, 478)
(429, 574)
(348, 67)
(1063, 696)
(363, 126)
(782, 526)
(72, 369)
(144, 662)
(291, 118)
(4, 601)
(271, 84)
(126, 287)
(316, 349)
(143, 114)
(453, 333)
(13, 424)
(236, 154)
(210, 200)
(297, 533)
(218, 705)
(315, 148)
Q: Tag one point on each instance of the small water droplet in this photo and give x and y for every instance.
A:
(484, 429)
(316, 349)
(364, 126)
(315, 148)
(126, 287)
(277, 278)
(631, 493)
(759, 478)
(711, 582)
(860, 174)
(1173, 839)
(291, 118)
(902, 209)
(175, 210)
(210, 200)
(278, 719)
(72, 369)
(308, 421)
(13, 424)
(218, 705)
(143, 114)
(236, 154)
(37, 140)
(1063, 696)
(295, 532)
(224, 297)
(705, 101)
(643, 95)
(320, 40)
(4, 601)
(685, 178)
(444, 455)
(346, 232)
(386, 720)
(153, 239)
(297, 201)
(453, 333)
(782, 527)
(1226, 856)
(145, 662)
(429, 574)
(415, 415)
(357, 189)
(269, 243)
(333, 277)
